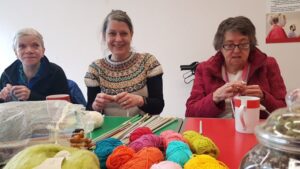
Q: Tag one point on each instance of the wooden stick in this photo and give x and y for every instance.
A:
(132, 127)
(117, 129)
(112, 132)
(164, 125)
(200, 127)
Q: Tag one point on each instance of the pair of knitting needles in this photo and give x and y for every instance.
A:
(155, 123)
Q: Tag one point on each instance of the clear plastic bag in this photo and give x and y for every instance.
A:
(33, 122)
(13, 138)
(292, 100)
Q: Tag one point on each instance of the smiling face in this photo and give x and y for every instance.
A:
(29, 50)
(236, 58)
(118, 39)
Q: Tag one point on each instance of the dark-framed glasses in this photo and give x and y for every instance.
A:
(232, 46)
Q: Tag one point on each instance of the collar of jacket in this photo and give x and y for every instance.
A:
(256, 59)
(13, 70)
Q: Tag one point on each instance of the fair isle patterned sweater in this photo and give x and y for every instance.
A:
(130, 75)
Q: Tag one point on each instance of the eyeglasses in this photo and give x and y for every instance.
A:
(240, 46)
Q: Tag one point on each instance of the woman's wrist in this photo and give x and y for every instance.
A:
(215, 98)
(142, 101)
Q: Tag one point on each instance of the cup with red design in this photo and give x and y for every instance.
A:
(246, 113)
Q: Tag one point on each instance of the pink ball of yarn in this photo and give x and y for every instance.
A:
(138, 132)
(148, 140)
(170, 135)
(166, 165)
(144, 159)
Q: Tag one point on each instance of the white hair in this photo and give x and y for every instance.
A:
(27, 32)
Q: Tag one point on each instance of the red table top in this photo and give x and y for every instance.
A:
(232, 144)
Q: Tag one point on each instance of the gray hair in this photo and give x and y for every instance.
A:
(117, 15)
(238, 24)
(27, 32)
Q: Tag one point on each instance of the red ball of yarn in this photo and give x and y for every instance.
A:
(144, 159)
(138, 132)
(119, 156)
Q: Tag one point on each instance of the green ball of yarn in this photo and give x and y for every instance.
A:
(200, 144)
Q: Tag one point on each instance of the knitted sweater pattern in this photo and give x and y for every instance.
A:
(129, 75)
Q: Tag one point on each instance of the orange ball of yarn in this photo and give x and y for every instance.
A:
(138, 132)
(119, 156)
(145, 158)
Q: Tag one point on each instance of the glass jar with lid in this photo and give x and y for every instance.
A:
(279, 140)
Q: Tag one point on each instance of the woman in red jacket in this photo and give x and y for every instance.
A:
(238, 68)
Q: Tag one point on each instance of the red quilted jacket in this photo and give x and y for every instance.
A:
(264, 71)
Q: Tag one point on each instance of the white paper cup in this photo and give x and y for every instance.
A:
(59, 97)
(246, 113)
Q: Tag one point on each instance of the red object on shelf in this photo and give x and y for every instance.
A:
(232, 144)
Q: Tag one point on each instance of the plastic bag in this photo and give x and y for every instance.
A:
(292, 100)
(13, 138)
(33, 122)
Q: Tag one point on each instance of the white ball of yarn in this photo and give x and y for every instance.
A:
(96, 117)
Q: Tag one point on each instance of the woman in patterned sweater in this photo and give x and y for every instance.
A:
(124, 83)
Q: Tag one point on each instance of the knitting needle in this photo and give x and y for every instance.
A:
(200, 127)
(164, 125)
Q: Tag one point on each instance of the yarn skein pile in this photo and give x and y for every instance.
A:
(146, 150)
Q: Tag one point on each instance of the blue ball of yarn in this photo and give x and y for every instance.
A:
(104, 148)
(178, 152)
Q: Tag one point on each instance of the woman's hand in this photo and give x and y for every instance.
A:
(5, 92)
(128, 100)
(253, 90)
(228, 90)
(101, 100)
(20, 92)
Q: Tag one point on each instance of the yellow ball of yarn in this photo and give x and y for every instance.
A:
(204, 162)
(200, 144)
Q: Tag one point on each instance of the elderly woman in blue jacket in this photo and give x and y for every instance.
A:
(31, 76)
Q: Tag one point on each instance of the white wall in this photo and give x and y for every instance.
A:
(176, 31)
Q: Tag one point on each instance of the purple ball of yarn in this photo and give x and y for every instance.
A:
(104, 148)
(166, 165)
(148, 140)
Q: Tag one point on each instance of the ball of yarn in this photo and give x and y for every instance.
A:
(104, 148)
(166, 165)
(170, 135)
(204, 162)
(138, 132)
(119, 156)
(200, 144)
(144, 159)
(95, 117)
(148, 140)
(178, 152)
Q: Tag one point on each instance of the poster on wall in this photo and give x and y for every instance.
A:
(283, 21)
